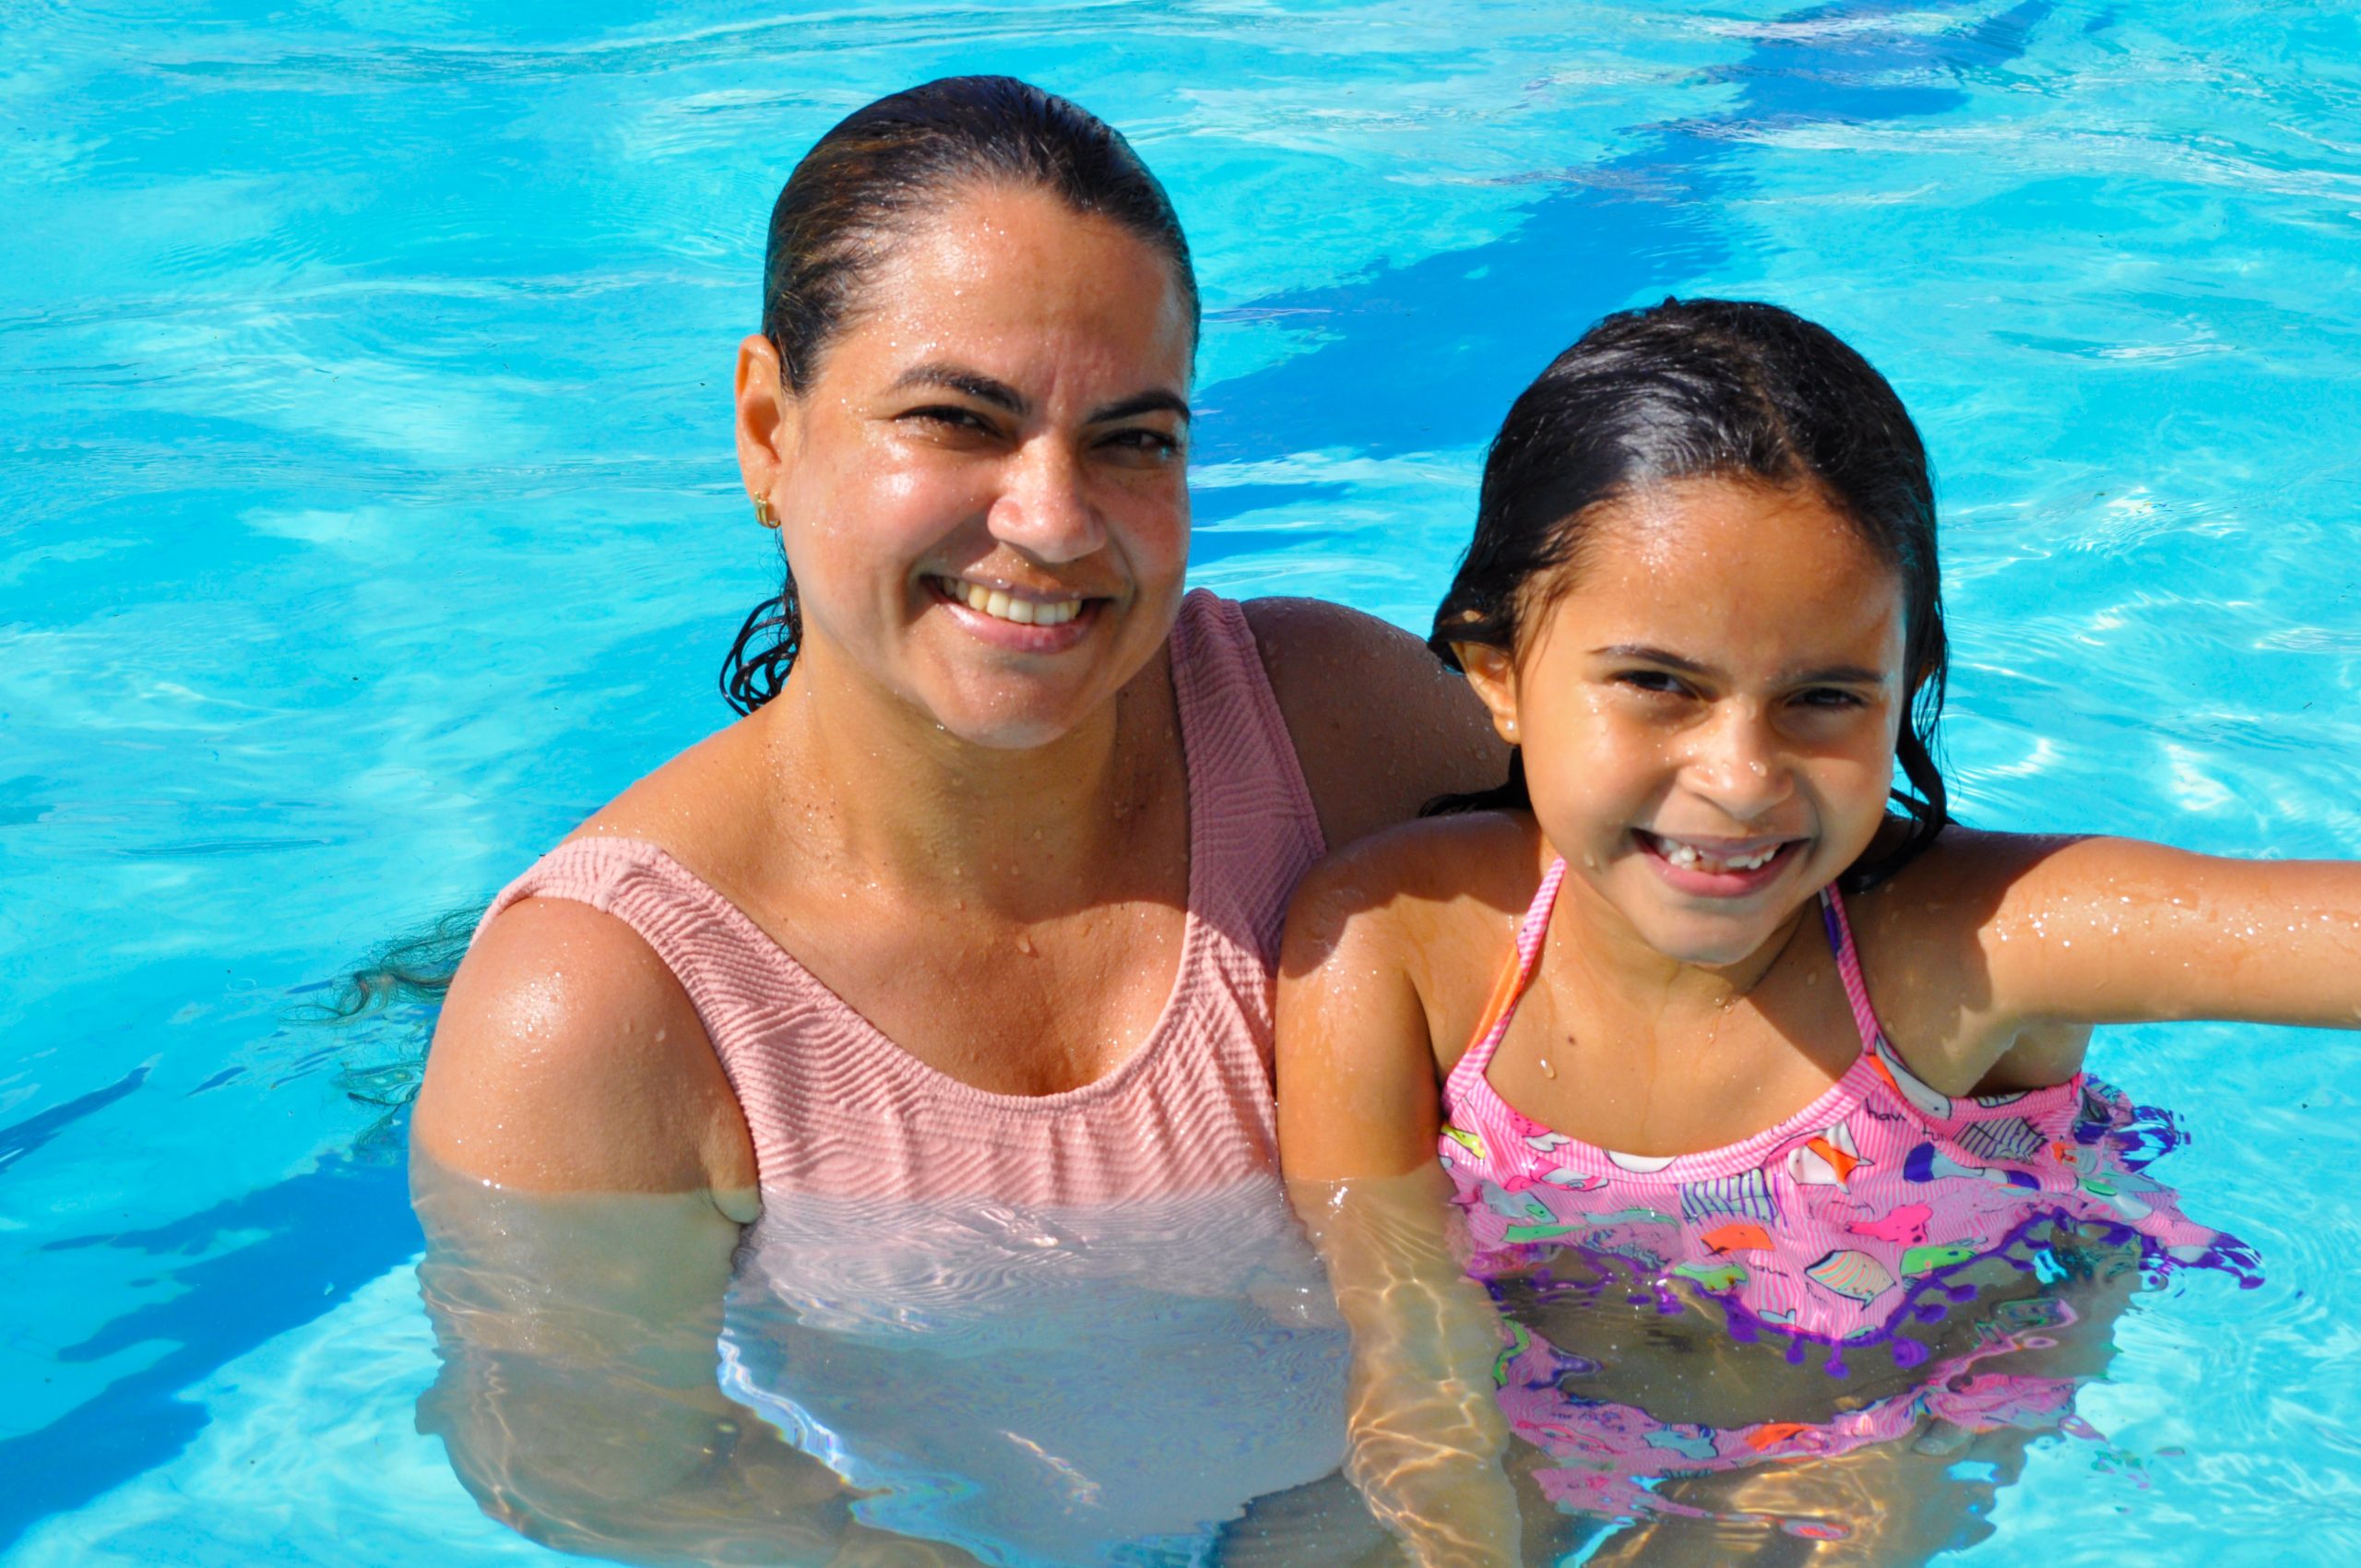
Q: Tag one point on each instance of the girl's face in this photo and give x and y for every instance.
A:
(1708, 713)
(982, 492)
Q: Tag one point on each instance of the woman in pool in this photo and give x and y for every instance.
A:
(982, 898)
(1704, 1030)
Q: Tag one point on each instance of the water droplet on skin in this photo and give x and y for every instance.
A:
(1547, 1069)
(1024, 945)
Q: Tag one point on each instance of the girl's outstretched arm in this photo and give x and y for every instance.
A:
(2048, 936)
(1359, 1121)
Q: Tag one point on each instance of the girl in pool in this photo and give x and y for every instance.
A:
(1702, 1027)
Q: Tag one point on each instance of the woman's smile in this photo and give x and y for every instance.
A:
(1018, 619)
(983, 494)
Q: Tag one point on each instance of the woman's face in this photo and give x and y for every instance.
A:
(982, 492)
(1708, 712)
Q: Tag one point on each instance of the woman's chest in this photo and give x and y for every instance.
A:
(1034, 1007)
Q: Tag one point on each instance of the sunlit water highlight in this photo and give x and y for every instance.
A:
(370, 516)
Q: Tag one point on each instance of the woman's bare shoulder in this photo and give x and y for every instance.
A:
(701, 806)
(1380, 726)
(567, 1058)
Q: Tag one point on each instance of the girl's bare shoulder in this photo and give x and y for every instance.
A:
(1435, 900)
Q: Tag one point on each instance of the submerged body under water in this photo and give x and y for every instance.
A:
(1070, 1387)
(1166, 1381)
(1890, 1272)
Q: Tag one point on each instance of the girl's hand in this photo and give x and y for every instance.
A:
(1426, 1432)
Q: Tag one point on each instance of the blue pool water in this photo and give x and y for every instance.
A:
(370, 516)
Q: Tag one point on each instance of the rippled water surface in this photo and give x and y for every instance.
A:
(370, 516)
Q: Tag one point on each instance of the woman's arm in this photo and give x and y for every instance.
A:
(582, 1172)
(1380, 726)
(2048, 936)
(1359, 1122)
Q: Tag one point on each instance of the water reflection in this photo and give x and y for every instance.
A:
(864, 1381)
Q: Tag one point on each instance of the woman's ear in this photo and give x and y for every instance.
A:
(1493, 674)
(765, 428)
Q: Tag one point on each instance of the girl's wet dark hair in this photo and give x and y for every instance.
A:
(1696, 389)
(865, 185)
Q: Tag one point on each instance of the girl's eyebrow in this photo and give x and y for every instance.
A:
(1648, 654)
(1826, 676)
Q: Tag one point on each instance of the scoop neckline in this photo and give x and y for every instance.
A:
(934, 1080)
(1839, 1099)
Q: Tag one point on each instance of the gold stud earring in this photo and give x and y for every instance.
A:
(764, 514)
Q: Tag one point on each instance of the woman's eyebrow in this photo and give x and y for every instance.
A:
(971, 383)
(1156, 402)
(1000, 394)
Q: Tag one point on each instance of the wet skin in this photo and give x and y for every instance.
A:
(1707, 700)
(969, 822)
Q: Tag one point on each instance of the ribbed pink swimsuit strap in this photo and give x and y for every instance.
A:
(1535, 929)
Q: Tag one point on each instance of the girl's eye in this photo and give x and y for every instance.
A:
(1829, 697)
(1656, 682)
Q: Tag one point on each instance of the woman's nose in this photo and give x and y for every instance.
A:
(1736, 762)
(1044, 507)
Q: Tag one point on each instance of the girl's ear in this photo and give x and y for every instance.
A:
(1493, 674)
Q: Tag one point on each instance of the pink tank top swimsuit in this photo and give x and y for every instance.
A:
(837, 1109)
(1840, 1225)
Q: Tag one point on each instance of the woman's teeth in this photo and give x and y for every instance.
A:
(1000, 606)
(1690, 858)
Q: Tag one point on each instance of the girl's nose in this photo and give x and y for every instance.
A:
(1044, 508)
(1738, 763)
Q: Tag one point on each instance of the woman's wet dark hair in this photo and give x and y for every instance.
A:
(863, 187)
(860, 188)
(1696, 389)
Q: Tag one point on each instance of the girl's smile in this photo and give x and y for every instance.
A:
(1707, 700)
(1717, 868)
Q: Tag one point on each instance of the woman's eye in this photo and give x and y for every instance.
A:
(1829, 697)
(1144, 443)
(949, 418)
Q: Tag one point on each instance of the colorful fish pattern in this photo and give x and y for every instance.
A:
(1834, 1223)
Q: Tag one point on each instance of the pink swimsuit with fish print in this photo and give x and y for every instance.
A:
(1839, 1226)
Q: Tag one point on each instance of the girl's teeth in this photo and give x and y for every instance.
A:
(1002, 606)
(1688, 858)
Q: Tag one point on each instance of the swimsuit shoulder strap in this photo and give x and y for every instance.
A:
(1515, 976)
(1848, 966)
